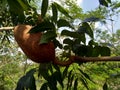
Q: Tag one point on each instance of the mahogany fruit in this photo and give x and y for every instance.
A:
(29, 43)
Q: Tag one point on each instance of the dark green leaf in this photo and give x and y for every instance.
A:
(75, 84)
(57, 44)
(58, 77)
(91, 19)
(86, 29)
(24, 4)
(27, 81)
(91, 42)
(89, 51)
(44, 67)
(57, 67)
(103, 2)
(105, 86)
(80, 50)
(44, 87)
(105, 51)
(63, 23)
(71, 34)
(96, 51)
(55, 13)
(46, 25)
(65, 72)
(31, 72)
(44, 7)
(109, 1)
(62, 10)
(68, 41)
(66, 47)
(52, 82)
(47, 37)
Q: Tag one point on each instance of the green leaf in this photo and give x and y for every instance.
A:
(63, 23)
(58, 77)
(65, 72)
(43, 26)
(92, 42)
(57, 67)
(86, 75)
(109, 1)
(44, 87)
(15, 7)
(44, 7)
(80, 50)
(45, 74)
(68, 41)
(105, 86)
(103, 2)
(47, 37)
(85, 28)
(84, 82)
(96, 51)
(27, 81)
(91, 19)
(55, 13)
(105, 51)
(57, 44)
(75, 84)
(24, 4)
(71, 34)
(62, 10)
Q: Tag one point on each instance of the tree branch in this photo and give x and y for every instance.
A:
(6, 28)
(76, 59)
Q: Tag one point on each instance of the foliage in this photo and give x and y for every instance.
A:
(80, 75)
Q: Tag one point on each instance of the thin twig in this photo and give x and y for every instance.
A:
(6, 28)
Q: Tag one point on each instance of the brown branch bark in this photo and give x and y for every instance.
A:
(75, 59)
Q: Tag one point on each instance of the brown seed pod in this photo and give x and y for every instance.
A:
(29, 43)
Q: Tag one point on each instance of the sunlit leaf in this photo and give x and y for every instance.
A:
(24, 4)
(86, 75)
(84, 82)
(75, 84)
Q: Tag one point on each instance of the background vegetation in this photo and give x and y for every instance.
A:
(77, 34)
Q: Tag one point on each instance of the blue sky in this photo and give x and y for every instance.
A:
(88, 5)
